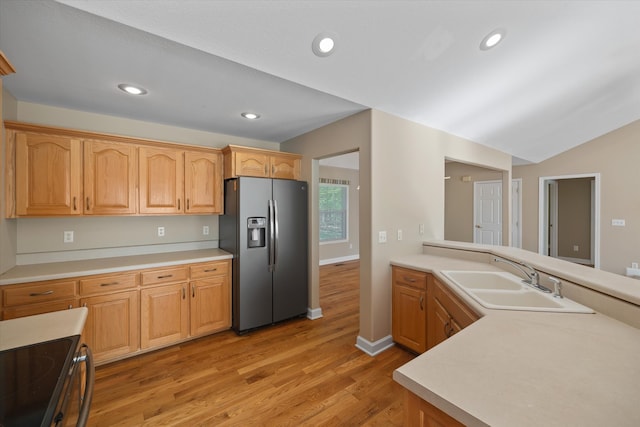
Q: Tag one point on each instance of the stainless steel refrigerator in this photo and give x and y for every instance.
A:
(264, 226)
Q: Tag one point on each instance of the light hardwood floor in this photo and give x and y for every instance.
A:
(300, 372)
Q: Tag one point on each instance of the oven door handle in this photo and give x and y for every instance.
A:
(87, 358)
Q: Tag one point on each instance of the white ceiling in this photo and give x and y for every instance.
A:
(567, 71)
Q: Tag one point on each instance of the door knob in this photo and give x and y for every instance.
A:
(478, 226)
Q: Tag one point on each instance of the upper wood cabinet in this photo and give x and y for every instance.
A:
(203, 182)
(161, 180)
(245, 161)
(47, 175)
(53, 171)
(177, 181)
(110, 178)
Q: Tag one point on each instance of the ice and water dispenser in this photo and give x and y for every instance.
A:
(256, 232)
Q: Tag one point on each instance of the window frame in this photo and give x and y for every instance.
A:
(346, 188)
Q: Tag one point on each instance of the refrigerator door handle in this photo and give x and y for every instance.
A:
(275, 242)
(272, 240)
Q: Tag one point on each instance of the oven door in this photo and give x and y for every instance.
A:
(78, 392)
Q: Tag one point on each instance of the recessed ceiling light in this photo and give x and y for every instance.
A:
(492, 39)
(250, 116)
(323, 44)
(131, 89)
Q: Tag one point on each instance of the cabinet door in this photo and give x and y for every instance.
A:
(203, 182)
(110, 178)
(439, 324)
(111, 329)
(164, 315)
(284, 167)
(161, 172)
(210, 305)
(420, 413)
(409, 317)
(252, 164)
(48, 170)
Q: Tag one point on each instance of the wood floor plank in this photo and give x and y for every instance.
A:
(297, 373)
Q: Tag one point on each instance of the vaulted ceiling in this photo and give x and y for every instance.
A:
(565, 73)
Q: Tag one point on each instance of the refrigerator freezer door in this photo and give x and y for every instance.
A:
(290, 280)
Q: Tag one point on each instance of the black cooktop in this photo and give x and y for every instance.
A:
(31, 381)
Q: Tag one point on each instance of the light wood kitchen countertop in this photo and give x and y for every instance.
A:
(519, 368)
(62, 270)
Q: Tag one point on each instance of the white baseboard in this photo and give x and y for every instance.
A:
(314, 313)
(340, 259)
(374, 348)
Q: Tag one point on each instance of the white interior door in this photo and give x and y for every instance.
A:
(487, 212)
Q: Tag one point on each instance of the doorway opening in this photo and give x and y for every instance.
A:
(569, 218)
(338, 207)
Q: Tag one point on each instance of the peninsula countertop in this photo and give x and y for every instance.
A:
(42, 327)
(527, 368)
(67, 269)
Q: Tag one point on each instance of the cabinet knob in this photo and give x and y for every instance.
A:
(178, 204)
(75, 206)
(88, 204)
(193, 291)
(421, 303)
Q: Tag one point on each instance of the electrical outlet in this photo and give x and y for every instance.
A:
(160, 231)
(382, 237)
(618, 222)
(399, 234)
(205, 230)
(68, 237)
(576, 248)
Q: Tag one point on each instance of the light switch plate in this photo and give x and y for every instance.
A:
(399, 234)
(618, 222)
(205, 230)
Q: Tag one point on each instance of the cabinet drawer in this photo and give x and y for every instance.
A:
(459, 311)
(41, 308)
(413, 278)
(217, 268)
(41, 292)
(164, 275)
(103, 284)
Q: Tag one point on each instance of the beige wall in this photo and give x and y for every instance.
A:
(349, 249)
(458, 198)
(8, 228)
(40, 239)
(347, 135)
(574, 218)
(407, 165)
(401, 186)
(615, 156)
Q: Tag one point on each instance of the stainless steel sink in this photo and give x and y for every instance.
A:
(505, 291)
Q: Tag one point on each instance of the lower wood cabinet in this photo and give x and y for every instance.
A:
(164, 315)
(28, 299)
(420, 413)
(134, 311)
(409, 309)
(448, 314)
(111, 329)
(424, 311)
(210, 305)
